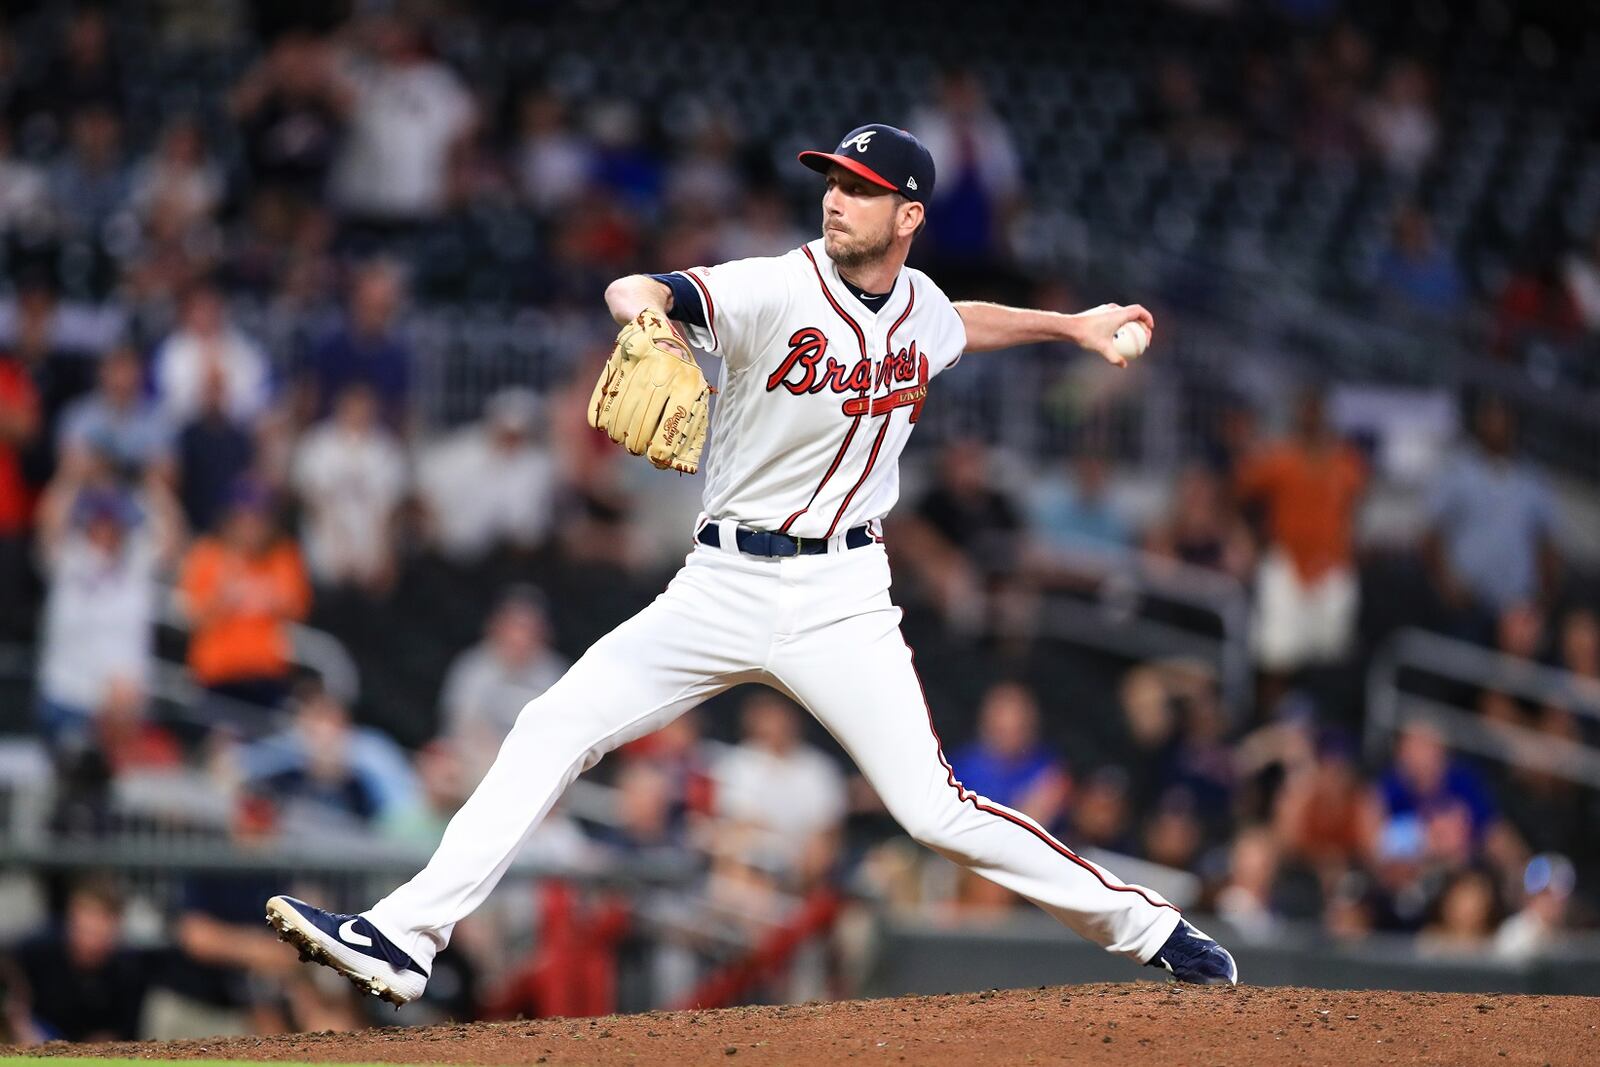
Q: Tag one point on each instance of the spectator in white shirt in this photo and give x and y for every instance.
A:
(554, 164)
(178, 177)
(1582, 273)
(206, 343)
(101, 548)
(1400, 122)
(350, 473)
(491, 484)
(411, 112)
(24, 191)
(705, 179)
(489, 683)
(1542, 924)
(774, 782)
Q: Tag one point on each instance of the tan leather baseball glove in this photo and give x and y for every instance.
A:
(651, 397)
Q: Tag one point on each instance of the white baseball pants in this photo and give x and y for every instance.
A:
(820, 628)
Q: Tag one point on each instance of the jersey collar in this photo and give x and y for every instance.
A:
(882, 298)
(841, 289)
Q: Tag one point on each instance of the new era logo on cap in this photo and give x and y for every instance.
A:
(876, 150)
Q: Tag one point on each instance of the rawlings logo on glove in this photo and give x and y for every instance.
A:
(651, 398)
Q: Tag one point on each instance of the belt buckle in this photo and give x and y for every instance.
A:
(771, 545)
(800, 546)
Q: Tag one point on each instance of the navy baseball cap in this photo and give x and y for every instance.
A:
(884, 156)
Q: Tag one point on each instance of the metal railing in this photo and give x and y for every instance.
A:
(344, 857)
(1114, 617)
(1250, 330)
(1261, 327)
(173, 693)
(1048, 406)
(312, 649)
(176, 697)
(1390, 707)
(160, 830)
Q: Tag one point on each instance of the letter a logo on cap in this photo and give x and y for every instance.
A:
(860, 141)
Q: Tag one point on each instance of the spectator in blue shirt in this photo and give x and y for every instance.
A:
(118, 419)
(1008, 763)
(366, 349)
(1418, 271)
(1424, 781)
(1491, 542)
(1072, 511)
(325, 766)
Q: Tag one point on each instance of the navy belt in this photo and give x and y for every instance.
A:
(762, 543)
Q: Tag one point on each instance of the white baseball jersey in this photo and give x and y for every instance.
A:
(817, 394)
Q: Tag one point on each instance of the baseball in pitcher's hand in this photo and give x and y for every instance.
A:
(1096, 329)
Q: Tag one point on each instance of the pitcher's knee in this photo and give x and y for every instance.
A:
(554, 724)
(929, 828)
(955, 830)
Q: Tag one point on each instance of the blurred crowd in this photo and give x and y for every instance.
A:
(1279, 811)
(177, 487)
(1370, 127)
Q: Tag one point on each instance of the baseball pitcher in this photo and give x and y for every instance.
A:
(826, 356)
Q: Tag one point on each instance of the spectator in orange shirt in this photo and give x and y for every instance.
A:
(19, 423)
(1308, 487)
(241, 589)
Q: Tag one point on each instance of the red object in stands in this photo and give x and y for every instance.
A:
(816, 916)
(573, 972)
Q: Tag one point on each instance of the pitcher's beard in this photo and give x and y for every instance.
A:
(857, 253)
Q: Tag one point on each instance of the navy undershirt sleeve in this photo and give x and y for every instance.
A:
(686, 305)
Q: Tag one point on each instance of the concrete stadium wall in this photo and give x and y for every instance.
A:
(923, 958)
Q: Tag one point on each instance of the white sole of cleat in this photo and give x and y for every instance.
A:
(308, 941)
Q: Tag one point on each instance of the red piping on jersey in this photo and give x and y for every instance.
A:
(861, 339)
(837, 457)
(711, 309)
(910, 303)
(969, 797)
(871, 459)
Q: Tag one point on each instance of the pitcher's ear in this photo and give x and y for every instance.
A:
(914, 215)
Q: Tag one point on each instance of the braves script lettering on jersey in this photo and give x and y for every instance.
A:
(817, 397)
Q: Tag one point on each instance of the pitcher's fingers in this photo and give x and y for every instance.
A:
(1138, 313)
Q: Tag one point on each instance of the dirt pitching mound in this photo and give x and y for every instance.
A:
(1140, 1022)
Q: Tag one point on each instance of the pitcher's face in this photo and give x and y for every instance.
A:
(858, 219)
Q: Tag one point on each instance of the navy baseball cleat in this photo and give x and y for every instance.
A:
(1191, 956)
(350, 945)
